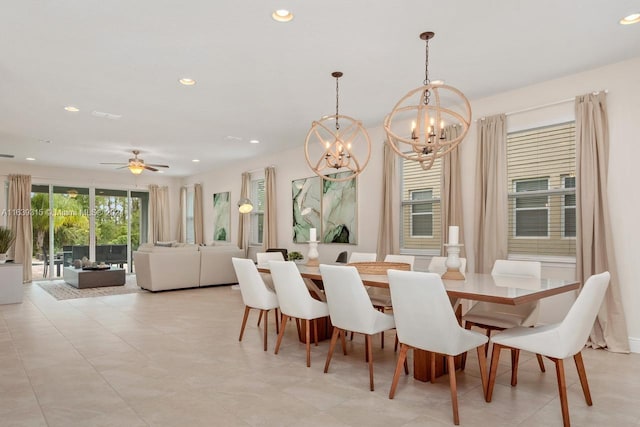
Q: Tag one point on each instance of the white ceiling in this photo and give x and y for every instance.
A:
(259, 79)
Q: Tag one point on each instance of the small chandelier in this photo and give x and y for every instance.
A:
(429, 109)
(136, 167)
(245, 205)
(337, 150)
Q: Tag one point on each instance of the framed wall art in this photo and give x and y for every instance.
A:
(221, 217)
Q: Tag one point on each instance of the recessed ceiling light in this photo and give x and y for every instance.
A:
(634, 18)
(71, 109)
(254, 141)
(195, 160)
(30, 159)
(187, 81)
(282, 15)
(160, 171)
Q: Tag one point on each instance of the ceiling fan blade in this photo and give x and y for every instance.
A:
(149, 168)
(119, 163)
(7, 156)
(123, 167)
(157, 166)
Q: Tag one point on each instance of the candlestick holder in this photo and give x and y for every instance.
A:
(453, 262)
(312, 256)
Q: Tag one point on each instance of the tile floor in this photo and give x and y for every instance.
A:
(173, 359)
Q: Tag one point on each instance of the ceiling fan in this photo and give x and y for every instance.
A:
(136, 165)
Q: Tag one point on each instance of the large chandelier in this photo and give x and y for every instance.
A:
(337, 150)
(430, 109)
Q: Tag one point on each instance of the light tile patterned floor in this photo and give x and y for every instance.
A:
(173, 359)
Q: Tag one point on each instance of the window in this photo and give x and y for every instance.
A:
(420, 223)
(541, 182)
(257, 214)
(422, 213)
(569, 208)
(531, 211)
(189, 211)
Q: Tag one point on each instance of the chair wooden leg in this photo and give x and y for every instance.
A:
(244, 321)
(463, 360)
(308, 341)
(351, 338)
(402, 360)
(486, 346)
(583, 377)
(515, 357)
(332, 346)
(281, 334)
(395, 346)
(277, 321)
(299, 330)
(541, 362)
(315, 331)
(259, 318)
(454, 389)
(495, 356)
(432, 367)
(370, 357)
(482, 362)
(382, 339)
(343, 335)
(562, 391)
(266, 323)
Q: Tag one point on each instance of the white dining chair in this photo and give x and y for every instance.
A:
(263, 258)
(255, 294)
(425, 320)
(498, 317)
(557, 342)
(350, 309)
(295, 301)
(407, 259)
(363, 257)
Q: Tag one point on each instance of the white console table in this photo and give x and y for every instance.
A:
(11, 287)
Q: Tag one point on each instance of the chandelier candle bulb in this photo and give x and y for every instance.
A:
(312, 235)
(453, 234)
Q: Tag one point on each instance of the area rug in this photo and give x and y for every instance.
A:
(61, 290)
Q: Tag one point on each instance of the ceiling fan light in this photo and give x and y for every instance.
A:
(136, 169)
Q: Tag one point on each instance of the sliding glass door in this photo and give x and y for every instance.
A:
(103, 225)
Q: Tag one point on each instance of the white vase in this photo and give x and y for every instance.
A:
(3, 258)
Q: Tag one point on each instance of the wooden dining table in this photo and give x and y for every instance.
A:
(511, 290)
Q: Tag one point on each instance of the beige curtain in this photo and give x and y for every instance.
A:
(594, 245)
(20, 201)
(451, 189)
(198, 214)
(388, 238)
(269, 236)
(243, 219)
(491, 193)
(158, 213)
(182, 232)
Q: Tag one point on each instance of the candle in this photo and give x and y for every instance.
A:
(413, 130)
(312, 234)
(453, 234)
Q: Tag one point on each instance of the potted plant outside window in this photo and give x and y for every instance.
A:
(7, 237)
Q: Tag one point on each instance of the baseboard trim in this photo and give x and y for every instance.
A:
(634, 345)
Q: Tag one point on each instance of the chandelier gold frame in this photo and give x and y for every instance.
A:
(337, 145)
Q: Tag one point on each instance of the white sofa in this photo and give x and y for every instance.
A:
(160, 268)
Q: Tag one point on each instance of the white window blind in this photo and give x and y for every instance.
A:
(541, 174)
(421, 219)
(257, 214)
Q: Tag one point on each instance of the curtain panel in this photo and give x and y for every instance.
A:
(491, 193)
(388, 229)
(20, 202)
(270, 232)
(594, 245)
(243, 219)
(198, 215)
(451, 189)
(158, 213)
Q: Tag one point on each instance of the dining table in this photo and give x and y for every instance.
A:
(503, 289)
